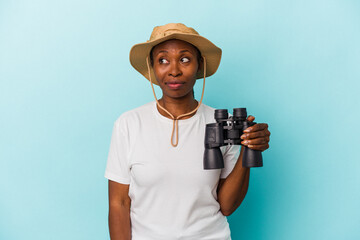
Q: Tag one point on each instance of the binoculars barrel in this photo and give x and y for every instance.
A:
(238, 114)
(228, 130)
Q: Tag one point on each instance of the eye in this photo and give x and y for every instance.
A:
(163, 60)
(185, 59)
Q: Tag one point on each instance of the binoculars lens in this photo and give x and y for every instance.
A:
(240, 113)
(221, 114)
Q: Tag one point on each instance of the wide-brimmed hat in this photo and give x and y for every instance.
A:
(141, 51)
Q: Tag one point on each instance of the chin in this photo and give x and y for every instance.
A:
(177, 95)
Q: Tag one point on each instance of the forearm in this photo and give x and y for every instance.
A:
(119, 223)
(233, 190)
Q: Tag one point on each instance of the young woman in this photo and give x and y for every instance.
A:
(158, 188)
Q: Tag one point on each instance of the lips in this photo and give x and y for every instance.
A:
(175, 84)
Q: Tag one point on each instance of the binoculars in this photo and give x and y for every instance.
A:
(228, 130)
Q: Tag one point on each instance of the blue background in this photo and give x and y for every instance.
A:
(65, 77)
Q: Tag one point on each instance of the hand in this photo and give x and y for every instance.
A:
(256, 137)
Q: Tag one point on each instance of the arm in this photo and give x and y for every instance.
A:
(233, 189)
(119, 211)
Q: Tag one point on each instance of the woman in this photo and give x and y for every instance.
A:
(158, 188)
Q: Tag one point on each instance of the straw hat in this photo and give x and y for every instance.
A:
(141, 51)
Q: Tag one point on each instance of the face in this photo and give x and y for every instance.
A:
(175, 65)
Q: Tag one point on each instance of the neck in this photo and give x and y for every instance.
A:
(177, 106)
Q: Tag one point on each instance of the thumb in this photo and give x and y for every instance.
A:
(250, 118)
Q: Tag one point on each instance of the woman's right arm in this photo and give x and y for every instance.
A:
(119, 211)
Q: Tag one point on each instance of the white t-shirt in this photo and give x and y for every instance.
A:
(172, 196)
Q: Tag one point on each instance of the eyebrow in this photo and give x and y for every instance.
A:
(185, 51)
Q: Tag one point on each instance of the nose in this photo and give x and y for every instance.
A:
(174, 70)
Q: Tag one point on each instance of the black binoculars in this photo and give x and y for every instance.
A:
(228, 130)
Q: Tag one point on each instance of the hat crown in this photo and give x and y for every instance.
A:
(171, 28)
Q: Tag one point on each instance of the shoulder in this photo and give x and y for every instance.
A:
(135, 115)
(207, 112)
(207, 109)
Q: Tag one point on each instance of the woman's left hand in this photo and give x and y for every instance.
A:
(256, 137)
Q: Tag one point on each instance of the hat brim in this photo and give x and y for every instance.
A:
(141, 51)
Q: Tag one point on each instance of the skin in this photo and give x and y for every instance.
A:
(119, 211)
(177, 62)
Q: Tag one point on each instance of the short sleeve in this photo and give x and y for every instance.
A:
(230, 155)
(117, 168)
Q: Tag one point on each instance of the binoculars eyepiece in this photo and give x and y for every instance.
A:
(227, 131)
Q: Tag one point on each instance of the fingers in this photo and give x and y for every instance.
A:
(261, 147)
(256, 127)
(257, 141)
(256, 137)
(250, 118)
(259, 134)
